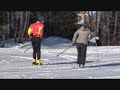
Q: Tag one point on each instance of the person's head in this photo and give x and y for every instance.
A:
(38, 20)
(81, 25)
(86, 25)
(41, 19)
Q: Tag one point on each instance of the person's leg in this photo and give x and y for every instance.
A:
(83, 54)
(38, 50)
(34, 51)
(79, 53)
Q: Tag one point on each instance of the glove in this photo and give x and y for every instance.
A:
(31, 38)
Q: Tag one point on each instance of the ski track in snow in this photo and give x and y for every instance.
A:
(46, 72)
(16, 64)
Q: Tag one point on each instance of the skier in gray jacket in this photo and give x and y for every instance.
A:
(80, 38)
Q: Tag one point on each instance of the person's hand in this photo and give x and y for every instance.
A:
(31, 38)
(73, 43)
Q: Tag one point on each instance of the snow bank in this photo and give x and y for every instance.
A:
(56, 40)
(47, 42)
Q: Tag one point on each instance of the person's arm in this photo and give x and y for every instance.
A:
(41, 31)
(92, 33)
(75, 37)
(29, 32)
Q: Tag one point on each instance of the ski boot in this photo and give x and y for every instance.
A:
(81, 65)
(33, 62)
(39, 62)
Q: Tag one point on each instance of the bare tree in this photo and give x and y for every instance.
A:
(25, 24)
(21, 27)
(115, 28)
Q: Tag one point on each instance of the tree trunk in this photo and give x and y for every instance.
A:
(115, 28)
(21, 27)
(25, 24)
(16, 29)
(108, 27)
(8, 26)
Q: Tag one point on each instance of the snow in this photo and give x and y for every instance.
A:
(102, 62)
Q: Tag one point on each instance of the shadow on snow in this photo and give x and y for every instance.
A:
(72, 62)
(105, 65)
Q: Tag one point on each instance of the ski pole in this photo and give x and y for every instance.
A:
(27, 49)
(97, 51)
(64, 50)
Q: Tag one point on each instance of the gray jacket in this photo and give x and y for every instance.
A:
(81, 35)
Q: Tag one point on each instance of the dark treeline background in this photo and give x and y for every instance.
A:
(14, 24)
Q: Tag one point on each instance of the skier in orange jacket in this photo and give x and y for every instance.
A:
(35, 33)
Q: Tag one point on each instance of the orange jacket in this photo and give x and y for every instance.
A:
(36, 29)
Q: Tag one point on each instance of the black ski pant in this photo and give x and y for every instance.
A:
(81, 49)
(36, 44)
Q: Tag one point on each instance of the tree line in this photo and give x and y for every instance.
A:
(14, 24)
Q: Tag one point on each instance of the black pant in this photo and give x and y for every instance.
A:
(81, 48)
(36, 44)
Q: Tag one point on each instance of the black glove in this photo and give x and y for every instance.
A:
(31, 36)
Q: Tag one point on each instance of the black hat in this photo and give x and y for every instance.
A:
(41, 18)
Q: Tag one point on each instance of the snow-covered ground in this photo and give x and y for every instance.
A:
(102, 62)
